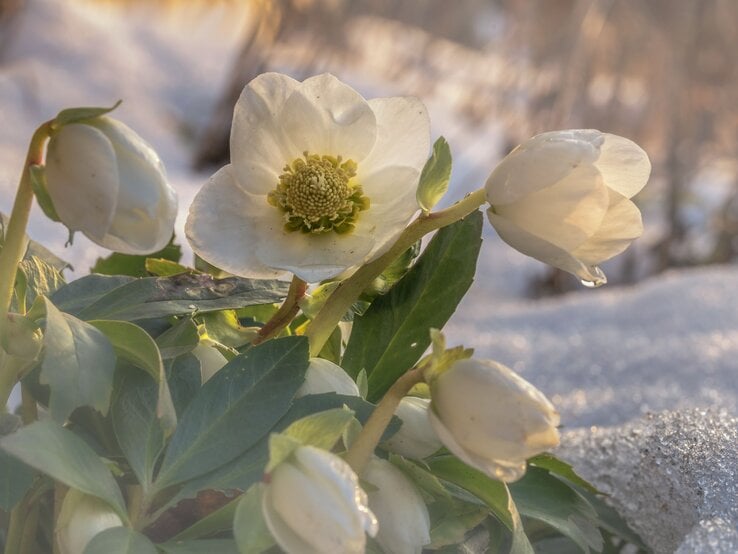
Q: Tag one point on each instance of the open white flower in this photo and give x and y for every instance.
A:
(563, 197)
(491, 418)
(320, 179)
(107, 182)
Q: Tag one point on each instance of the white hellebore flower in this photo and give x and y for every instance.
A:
(313, 504)
(491, 418)
(564, 198)
(81, 518)
(107, 182)
(320, 179)
(404, 523)
(325, 376)
(416, 438)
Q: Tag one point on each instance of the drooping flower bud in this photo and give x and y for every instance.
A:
(416, 438)
(313, 503)
(404, 523)
(491, 418)
(81, 518)
(563, 197)
(325, 376)
(107, 182)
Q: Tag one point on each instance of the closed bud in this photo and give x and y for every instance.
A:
(491, 418)
(416, 438)
(313, 504)
(108, 183)
(211, 360)
(563, 197)
(325, 376)
(404, 523)
(80, 519)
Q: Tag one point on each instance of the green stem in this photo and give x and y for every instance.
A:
(363, 447)
(346, 293)
(15, 243)
(286, 313)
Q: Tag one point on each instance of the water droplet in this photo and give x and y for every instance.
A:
(598, 280)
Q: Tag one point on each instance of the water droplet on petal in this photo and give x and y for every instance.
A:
(598, 279)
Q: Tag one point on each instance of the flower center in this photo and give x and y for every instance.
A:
(317, 195)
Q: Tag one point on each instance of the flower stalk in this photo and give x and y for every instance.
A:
(286, 313)
(363, 447)
(346, 293)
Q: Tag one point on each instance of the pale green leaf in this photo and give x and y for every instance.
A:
(435, 176)
(120, 540)
(79, 115)
(249, 529)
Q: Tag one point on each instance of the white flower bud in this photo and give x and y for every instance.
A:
(325, 376)
(416, 438)
(491, 418)
(80, 519)
(563, 197)
(211, 360)
(404, 523)
(313, 504)
(107, 182)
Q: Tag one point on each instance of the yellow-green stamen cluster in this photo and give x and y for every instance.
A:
(317, 196)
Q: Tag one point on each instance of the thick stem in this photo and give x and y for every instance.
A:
(363, 447)
(346, 293)
(286, 313)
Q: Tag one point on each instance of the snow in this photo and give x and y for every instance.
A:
(608, 358)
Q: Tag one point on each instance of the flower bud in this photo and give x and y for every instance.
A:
(416, 438)
(80, 519)
(313, 503)
(325, 376)
(404, 523)
(563, 197)
(107, 182)
(491, 418)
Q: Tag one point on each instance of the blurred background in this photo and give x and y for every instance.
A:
(492, 72)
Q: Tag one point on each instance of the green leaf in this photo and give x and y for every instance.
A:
(162, 267)
(540, 495)
(217, 522)
(79, 115)
(453, 522)
(15, 476)
(428, 484)
(133, 344)
(225, 328)
(362, 382)
(38, 183)
(609, 520)
(136, 424)
(41, 278)
(435, 176)
(211, 546)
(59, 453)
(154, 297)
(180, 339)
(120, 540)
(256, 387)
(73, 297)
(34, 248)
(493, 493)
(558, 467)
(185, 379)
(135, 266)
(392, 273)
(78, 364)
(249, 528)
(394, 332)
(323, 429)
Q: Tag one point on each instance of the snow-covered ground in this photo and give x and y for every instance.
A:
(607, 358)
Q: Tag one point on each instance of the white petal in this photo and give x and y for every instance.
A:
(567, 213)
(503, 470)
(539, 248)
(147, 205)
(325, 376)
(82, 179)
(287, 539)
(403, 134)
(325, 116)
(541, 162)
(624, 165)
(259, 149)
(221, 231)
(415, 439)
(621, 226)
